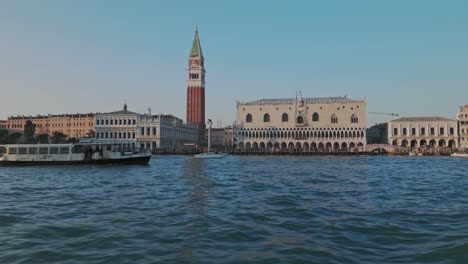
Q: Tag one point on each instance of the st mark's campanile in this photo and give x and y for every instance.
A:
(196, 88)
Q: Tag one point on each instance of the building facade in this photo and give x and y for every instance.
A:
(310, 124)
(131, 130)
(166, 132)
(119, 127)
(71, 125)
(423, 132)
(230, 136)
(462, 117)
(196, 88)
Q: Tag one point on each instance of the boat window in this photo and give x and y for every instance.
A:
(23, 151)
(53, 150)
(12, 150)
(43, 151)
(32, 151)
(77, 149)
(64, 150)
(2, 151)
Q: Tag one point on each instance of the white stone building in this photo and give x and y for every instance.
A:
(309, 124)
(417, 132)
(145, 131)
(462, 117)
(119, 127)
(166, 132)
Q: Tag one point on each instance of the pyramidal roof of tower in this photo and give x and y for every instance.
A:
(196, 47)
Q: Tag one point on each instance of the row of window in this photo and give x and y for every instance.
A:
(300, 119)
(115, 122)
(422, 132)
(301, 134)
(41, 151)
(116, 135)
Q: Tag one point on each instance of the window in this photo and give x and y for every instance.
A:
(441, 131)
(107, 122)
(12, 150)
(432, 131)
(64, 150)
(134, 121)
(32, 151)
(413, 131)
(97, 122)
(315, 117)
(107, 134)
(354, 119)
(154, 131)
(423, 130)
(125, 122)
(23, 151)
(120, 121)
(284, 118)
(395, 131)
(43, 151)
(248, 118)
(334, 119)
(148, 131)
(266, 118)
(451, 131)
(300, 120)
(133, 135)
(404, 131)
(112, 122)
(53, 150)
(142, 131)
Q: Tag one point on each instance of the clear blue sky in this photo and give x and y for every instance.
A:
(63, 56)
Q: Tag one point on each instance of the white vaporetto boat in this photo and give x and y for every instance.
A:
(209, 154)
(70, 154)
(464, 155)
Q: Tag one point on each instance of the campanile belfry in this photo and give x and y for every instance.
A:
(196, 88)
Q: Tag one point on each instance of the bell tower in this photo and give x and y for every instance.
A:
(196, 88)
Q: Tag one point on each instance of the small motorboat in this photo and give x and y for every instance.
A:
(464, 155)
(209, 154)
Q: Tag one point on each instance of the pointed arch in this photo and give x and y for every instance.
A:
(284, 117)
(266, 118)
(248, 118)
(300, 120)
(354, 119)
(334, 119)
(315, 117)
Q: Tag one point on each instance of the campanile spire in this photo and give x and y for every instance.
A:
(196, 87)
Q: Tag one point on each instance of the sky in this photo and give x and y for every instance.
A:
(64, 56)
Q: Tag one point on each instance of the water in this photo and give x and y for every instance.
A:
(238, 210)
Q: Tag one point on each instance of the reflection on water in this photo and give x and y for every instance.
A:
(238, 209)
(198, 187)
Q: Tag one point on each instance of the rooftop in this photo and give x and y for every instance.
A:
(422, 119)
(313, 100)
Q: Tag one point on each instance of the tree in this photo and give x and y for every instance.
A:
(58, 137)
(3, 136)
(42, 139)
(13, 138)
(90, 134)
(72, 140)
(29, 130)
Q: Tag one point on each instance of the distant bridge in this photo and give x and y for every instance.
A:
(380, 148)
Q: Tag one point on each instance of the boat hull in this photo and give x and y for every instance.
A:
(210, 155)
(142, 160)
